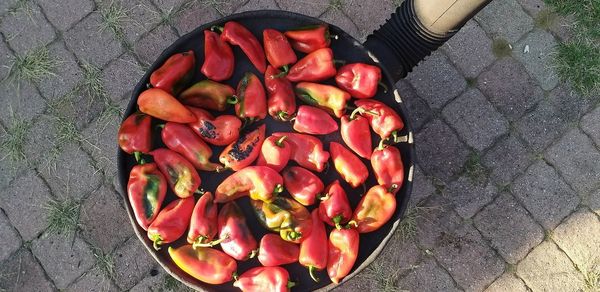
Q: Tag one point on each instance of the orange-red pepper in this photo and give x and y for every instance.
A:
(275, 153)
(135, 134)
(356, 134)
(359, 79)
(274, 251)
(315, 121)
(258, 182)
(286, 216)
(324, 96)
(314, 67)
(272, 279)
(203, 225)
(282, 101)
(244, 150)
(146, 191)
(171, 222)
(160, 104)
(313, 250)
(277, 48)
(348, 165)
(208, 265)
(238, 241)
(175, 73)
(218, 57)
(237, 35)
(251, 102)
(335, 208)
(208, 94)
(374, 209)
(303, 185)
(182, 139)
(307, 150)
(223, 130)
(383, 119)
(180, 173)
(309, 39)
(388, 167)
(343, 251)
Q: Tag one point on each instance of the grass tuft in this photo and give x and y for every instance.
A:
(113, 17)
(104, 262)
(21, 5)
(384, 276)
(63, 217)
(13, 140)
(33, 66)
(579, 62)
(408, 226)
(474, 170)
(592, 279)
(545, 19)
(471, 82)
(92, 85)
(171, 284)
(586, 12)
(216, 4)
(501, 48)
(336, 4)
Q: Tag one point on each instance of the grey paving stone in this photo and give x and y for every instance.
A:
(55, 11)
(26, 196)
(93, 281)
(475, 119)
(316, 7)
(509, 88)
(547, 197)
(167, 5)
(120, 77)
(79, 107)
(21, 272)
(533, 7)
(422, 187)
(9, 238)
(436, 219)
(149, 47)
(440, 152)
(339, 19)
(506, 159)
(92, 44)
(27, 28)
(509, 228)
(258, 5)
(21, 101)
(589, 124)
(368, 15)
(468, 196)
(5, 6)
(196, 15)
(539, 59)
(507, 282)
(39, 141)
(470, 50)
(579, 237)
(10, 167)
(69, 259)
(67, 73)
(154, 281)
(510, 28)
(132, 263)
(419, 112)
(428, 276)
(546, 268)
(141, 16)
(593, 201)
(577, 160)
(6, 57)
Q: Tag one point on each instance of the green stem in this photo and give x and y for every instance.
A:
(279, 143)
(385, 88)
(293, 235)
(339, 62)
(278, 189)
(283, 116)
(232, 99)
(290, 284)
(199, 241)
(392, 188)
(138, 157)
(200, 192)
(216, 28)
(358, 110)
(156, 241)
(351, 224)
(381, 145)
(323, 197)
(253, 253)
(337, 220)
(311, 272)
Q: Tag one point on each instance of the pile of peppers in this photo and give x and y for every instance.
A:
(193, 108)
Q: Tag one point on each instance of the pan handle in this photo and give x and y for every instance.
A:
(417, 28)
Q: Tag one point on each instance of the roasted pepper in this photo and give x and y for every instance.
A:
(160, 104)
(272, 279)
(343, 250)
(146, 190)
(286, 216)
(180, 173)
(244, 150)
(237, 35)
(171, 222)
(251, 102)
(314, 67)
(315, 121)
(208, 94)
(218, 57)
(313, 250)
(182, 139)
(238, 241)
(208, 265)
(223, 130)
(174, 75)
(348, 165)
(309, 39)
(374, 209)
(274, 251)
(307, 150)
(303, 185)
(383, 119)
(278, 50)
(327, 97)
(135, 135)
(388, 168)
(282, 101)
(203, 226)
(274, 153)
(335, 208)
(356, 134)
(359, 79)
(259, 182)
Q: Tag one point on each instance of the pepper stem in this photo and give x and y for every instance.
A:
(217, 28)
(399, 139)
(293, 235)
(337, 220)
(200, 192)
(339, 62)
(392, 188)
(232, 99)
(282, 115)
(235, 276)
(156, 241)
(385, 88)
(278, 189)
(280, 74)
(138, 157)
(381, 145)
(311, 272)
(351, 224)
(279, 143)
(290, 284)
(199, 241)
(358, 110)
(253, 253)
(323, 197)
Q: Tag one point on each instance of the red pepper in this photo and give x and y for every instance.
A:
(282, 101)
(208, 94)
(324, 96)
(175, 73)
(286, 216)
(259, 182)
(218, 57)
(274, 153)
(146, 190)
(160, 104)
(335, 208)
(180, 173)
(315, 121)
(238, 241)
(303, 185)
(277, 48)
(307, 150)
(205, 264)
(313, 250)
(359, 79)
(135, 135)
(383, 119)
(356, 134)
(374, 209)
(223, 130)
(203, 226)
(182, 139)
(348, 165)
(244, 151)
(171, 222)
(309, 39)
(388, 167)
(272, 279)
(316, 66)
(274, 251)
(343, 250)
(237, 35)
(251, 101)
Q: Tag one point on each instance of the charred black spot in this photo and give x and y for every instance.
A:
(239, 152)
(208, 130)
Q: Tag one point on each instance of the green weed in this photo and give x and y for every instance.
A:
(104, 262)
(113, 17)
(408, 226)
(13, 140)
(545, 19)
(63, 217)
(501, 48)
(579, 62)
(34, 66)
(384, 276)
(336, 4)
(474, 170)
(92, 85)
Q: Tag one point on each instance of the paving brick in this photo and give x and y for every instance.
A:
(547, 197)
(149, 47)
(440, 152)
(39, 141)
(510, 229)
(436, 218)
(20, 101)
(78, 107)
(506, 159)
(367, 18)
(196, 15)
(9, 238)
(507, 282)
(509, 88)
(67, 73)
(27, 195)
(546, 268)
(419, 112)
(475, 119)
(428, 276)
(21, 272)
(69, 259)
(6, 56)
(422, 187)
(55, 11)
(141, 16)
(132, 263)
(579, 237)
(5, 6)
(154, 281)
(469, 196)
(316, 7)
(120, 77)
(593, 201)
(338, 18)
(510, 28)
(10, 167)
(533, 7)
(168, 5)
(589, 124)
(470, 50)
(27, 28)
(577, 160)
(91, 43)
(258, 5)
(92, 281)
(539, 59)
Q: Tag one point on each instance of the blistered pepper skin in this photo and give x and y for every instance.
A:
(388, 167)
(175, 73)
(182, 139)
(274, 251)
(146, 191)
(171, 222)
(374, 209)
(180, 173)
(272, 279)
(306, 150)
(218, 57)
(162, 105)
(135, 135)
(303, 185)
(220, 131)
(286, 216)
(239, 243)
(258, 182)
(314, 249)
(348, 165)
(207, 94)
(274, 153)
(335, 208)
(309, 39)
(343, 251)
(359, 79)
(244, 151)
(208, 265)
